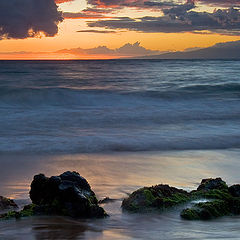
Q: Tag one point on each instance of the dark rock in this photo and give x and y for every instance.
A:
(211, 183)
(159, 196)
(235, 190)
(68, 194)
(6, 203)
(106, 200)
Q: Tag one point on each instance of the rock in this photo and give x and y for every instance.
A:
(68, 194)
(211, 183)
(207, 210)
(224, 201)
(106, 200)
(159, 197)
(221, 200)
(6, 203)
(235, 190)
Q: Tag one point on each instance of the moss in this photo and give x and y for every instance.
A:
(161, 197)
(207, 210)
(9, 215)
(175, 199)
(93, 199)
(28, 210)
(212, 194)
(190, 214)
(158, 197)
(149, 197)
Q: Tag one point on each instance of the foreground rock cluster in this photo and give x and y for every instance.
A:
(68, 195)
(216, 199)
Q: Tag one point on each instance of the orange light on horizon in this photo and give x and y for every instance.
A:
(53, 56)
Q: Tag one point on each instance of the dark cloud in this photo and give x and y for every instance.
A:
(220, 3)
(140, 4)
(97, 10)
(95, 31)
(83, 15)
(179, 19)
(28, 18)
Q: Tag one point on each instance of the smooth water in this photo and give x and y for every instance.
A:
(115, 175)
(122, 124)
(118, 105)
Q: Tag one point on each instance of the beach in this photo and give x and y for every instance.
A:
(122, 124)
(115, 176)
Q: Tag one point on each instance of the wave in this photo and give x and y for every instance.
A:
(60, 96)
(98, 144)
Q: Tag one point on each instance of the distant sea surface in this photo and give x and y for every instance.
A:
(119, 105)
(122, 124)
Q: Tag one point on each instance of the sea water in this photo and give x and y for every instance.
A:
(122, 124)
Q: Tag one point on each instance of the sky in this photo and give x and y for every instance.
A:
(93, 29)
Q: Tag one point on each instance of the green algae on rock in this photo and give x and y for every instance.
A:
(222, 200)
(159, 196)
(206, 210)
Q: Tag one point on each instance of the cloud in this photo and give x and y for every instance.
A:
(28, 18)
(62, 1)
(117, 4)
(126, 50)
(179, 19)
(83, 15)
(95, 31)
(220, 3)
(100, 52)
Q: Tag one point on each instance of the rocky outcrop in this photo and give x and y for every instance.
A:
(6, 203)
(68, 194)
(221, 200)
(159, 196)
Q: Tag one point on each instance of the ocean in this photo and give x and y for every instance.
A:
(122, 124)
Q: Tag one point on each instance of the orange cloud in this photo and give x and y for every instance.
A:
(62, 1)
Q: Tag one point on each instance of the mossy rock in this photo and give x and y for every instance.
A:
(212, 183)
(222, 200)
(155, 197)
(207, 210)
(28, 210)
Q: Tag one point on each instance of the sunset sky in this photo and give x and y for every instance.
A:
(113, 28)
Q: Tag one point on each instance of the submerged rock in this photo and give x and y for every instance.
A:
(68, 195)
(106, 200)
(159, 196)
(6, 203)
(222, 200)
